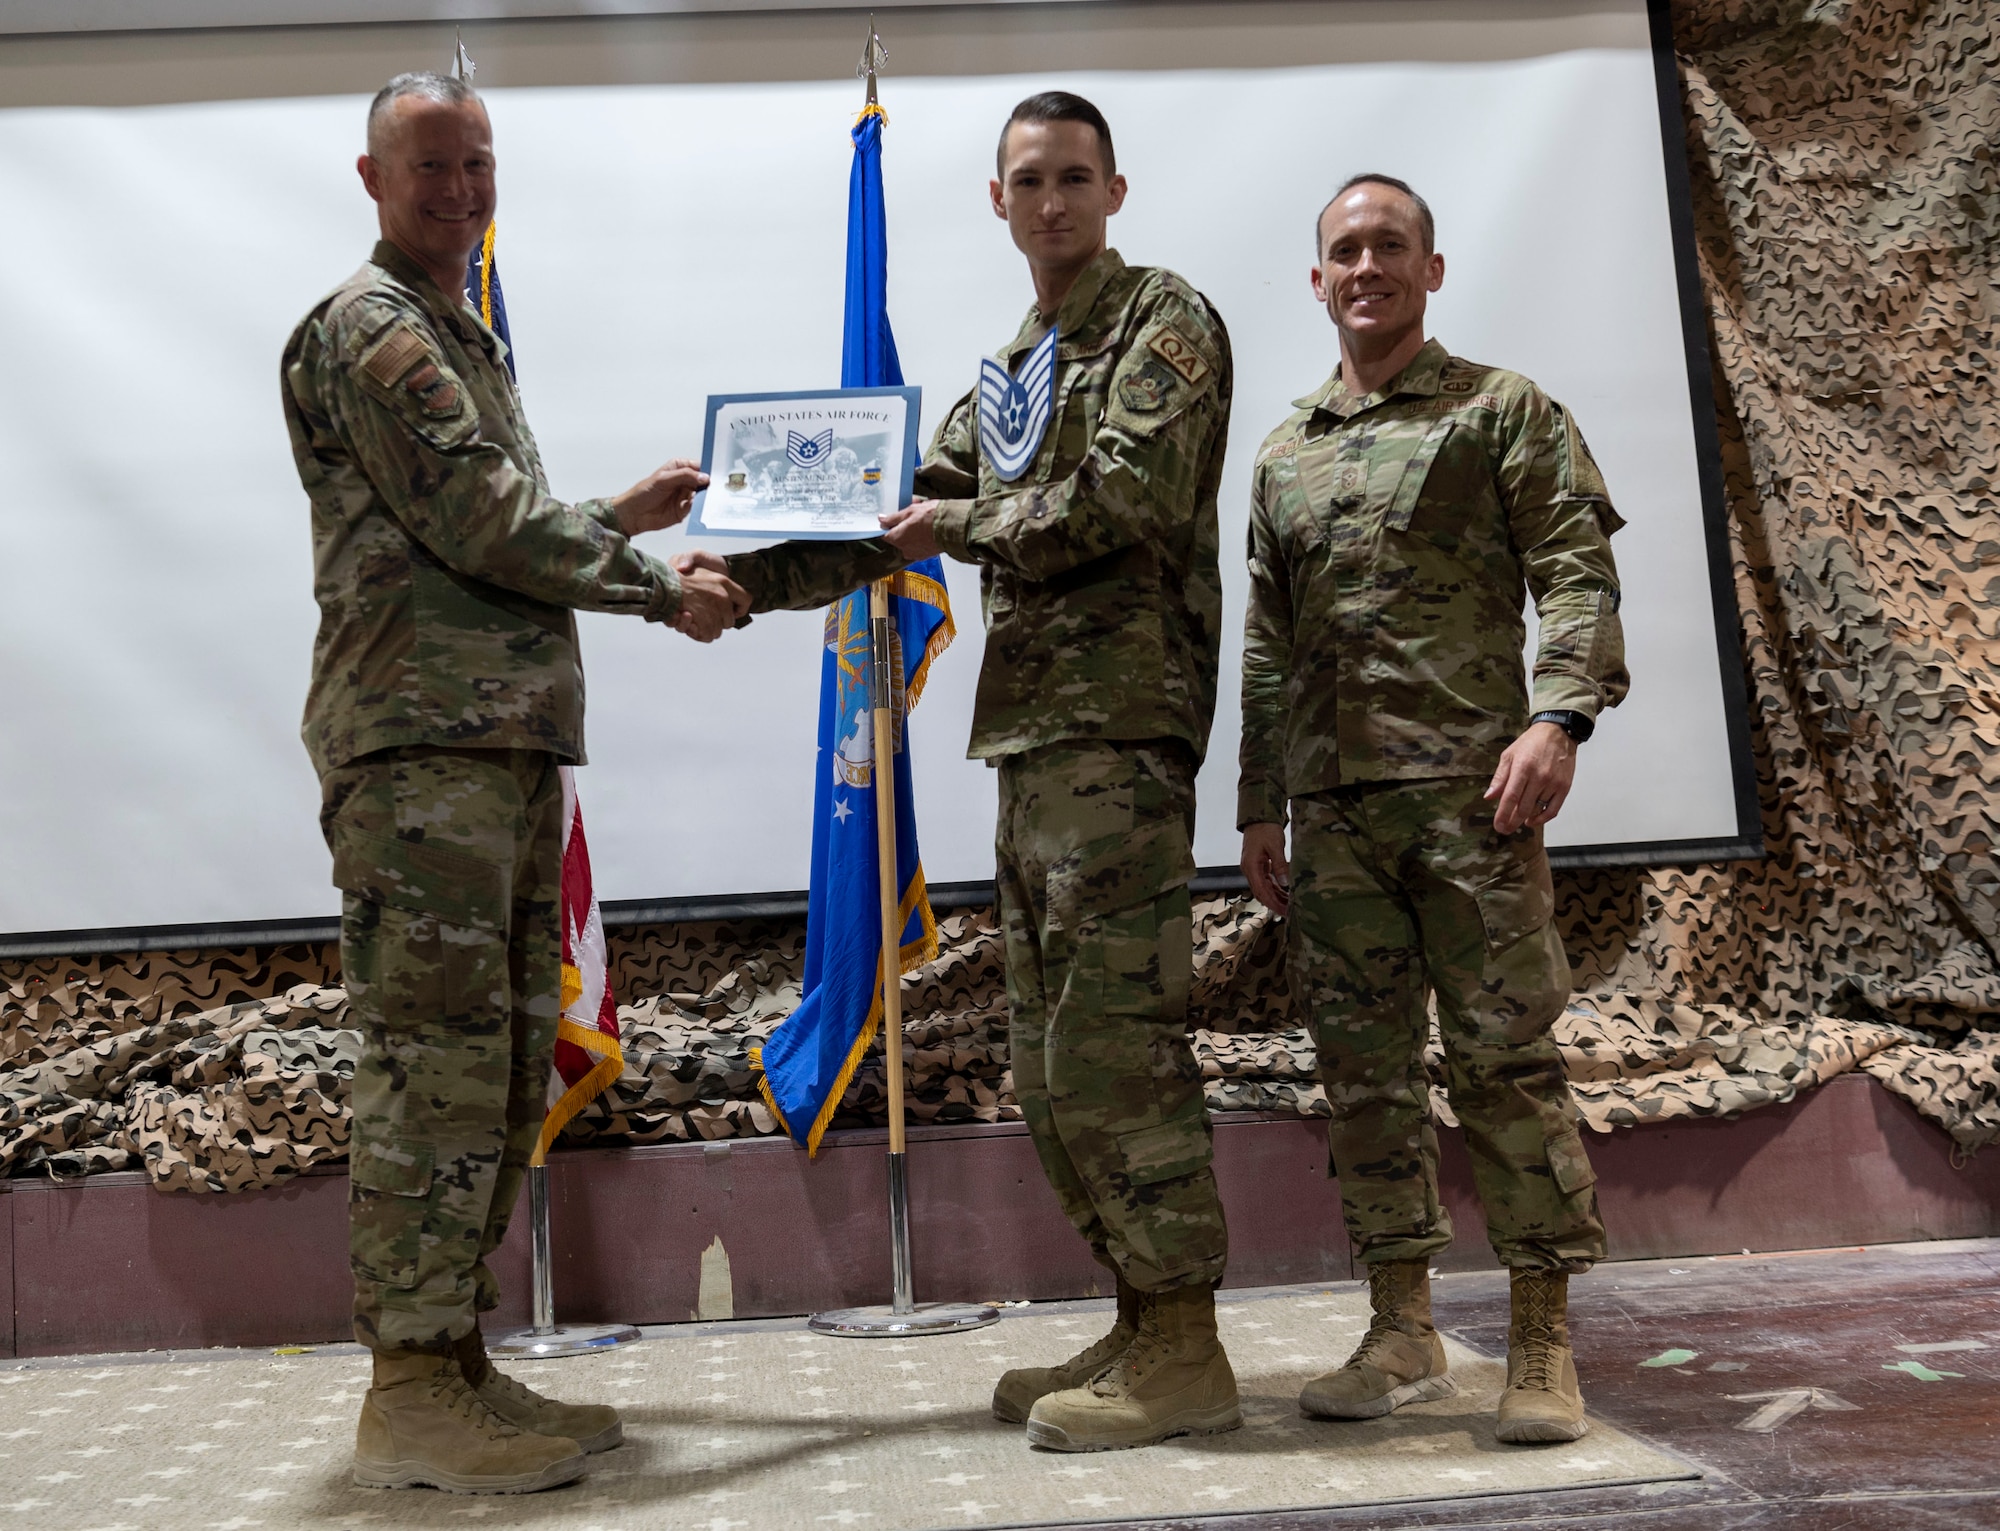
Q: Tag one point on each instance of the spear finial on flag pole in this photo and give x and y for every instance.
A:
(873, 57)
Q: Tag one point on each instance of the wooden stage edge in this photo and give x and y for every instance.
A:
(109, 1264)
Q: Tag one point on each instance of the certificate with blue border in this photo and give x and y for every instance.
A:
(824, 463)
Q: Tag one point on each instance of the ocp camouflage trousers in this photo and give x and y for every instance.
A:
(1094, 858)
(1399, 890)
(450, 866)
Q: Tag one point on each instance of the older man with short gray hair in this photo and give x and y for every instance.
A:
(447, 692)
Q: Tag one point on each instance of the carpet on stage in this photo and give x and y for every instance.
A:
(772, 1428)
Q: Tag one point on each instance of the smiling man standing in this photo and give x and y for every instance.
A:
(1081, 477)
(446, 692)
(1398, 521)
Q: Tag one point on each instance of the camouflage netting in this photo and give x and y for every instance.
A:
(1846, 208)
(120, 1065)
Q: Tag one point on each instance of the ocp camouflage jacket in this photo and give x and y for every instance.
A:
(1393, 541)
(1102, 595)
(444, 570)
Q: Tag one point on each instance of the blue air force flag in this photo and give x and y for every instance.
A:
(809, 1059)
(1014, 411)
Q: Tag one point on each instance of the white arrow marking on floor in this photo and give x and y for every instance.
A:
(1784, 1404)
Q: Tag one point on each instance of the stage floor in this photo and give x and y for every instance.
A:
(1677, 1356)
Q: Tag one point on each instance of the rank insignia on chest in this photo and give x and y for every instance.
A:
(1014, 410)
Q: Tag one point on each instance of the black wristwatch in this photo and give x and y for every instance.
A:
(1575, 724)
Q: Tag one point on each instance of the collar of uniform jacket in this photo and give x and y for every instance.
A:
(1420, 377)
(459, 315)
(1072, 319)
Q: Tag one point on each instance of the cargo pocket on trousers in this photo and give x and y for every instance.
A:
(1518, 903)
(1166, 1152)
(1118, 871)
(435, 950)
(1569, 1164)
(389, 1181)
(458, 888)
(1113, 961)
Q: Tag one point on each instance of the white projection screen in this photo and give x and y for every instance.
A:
(672, 223)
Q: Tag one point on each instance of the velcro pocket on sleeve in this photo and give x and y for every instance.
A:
(394, 1168)
(424, 879)
(1517, 903)
(1118, 871)
(1569, 1164)
(1165, 1152)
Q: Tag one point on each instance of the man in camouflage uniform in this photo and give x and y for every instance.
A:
(446, 691)
(1398, 520)
(1103, 603)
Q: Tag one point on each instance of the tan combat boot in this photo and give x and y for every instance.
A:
(1173, 1379)
(593, 1426)
(1399, 1360)
(1542, 1401)
(1019, 1389)
(423, 1425)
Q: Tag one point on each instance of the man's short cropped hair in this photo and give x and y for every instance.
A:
(421, 83)
(1369, 177)
(1057, 106)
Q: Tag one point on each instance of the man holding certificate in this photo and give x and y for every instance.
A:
(447, 691)
(1081, 476)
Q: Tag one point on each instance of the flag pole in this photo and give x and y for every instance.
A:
(544, 1337)
(903, 1315)
(892, 941)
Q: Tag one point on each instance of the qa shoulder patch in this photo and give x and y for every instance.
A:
(1178, 352)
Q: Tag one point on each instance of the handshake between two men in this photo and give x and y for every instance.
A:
(710, 600)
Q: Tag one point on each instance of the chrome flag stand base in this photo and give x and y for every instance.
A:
(902, 1316)
(886, 1323)
(548, 1339)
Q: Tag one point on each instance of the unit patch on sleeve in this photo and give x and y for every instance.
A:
(433, 389)
(1146, 388)
(1178, 352)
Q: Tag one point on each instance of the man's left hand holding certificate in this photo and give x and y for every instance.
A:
(826, 464)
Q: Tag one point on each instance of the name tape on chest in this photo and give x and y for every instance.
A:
(1014, 408)
(1178, 352)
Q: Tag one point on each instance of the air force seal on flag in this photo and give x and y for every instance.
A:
(1014, 411)
(809, 451)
